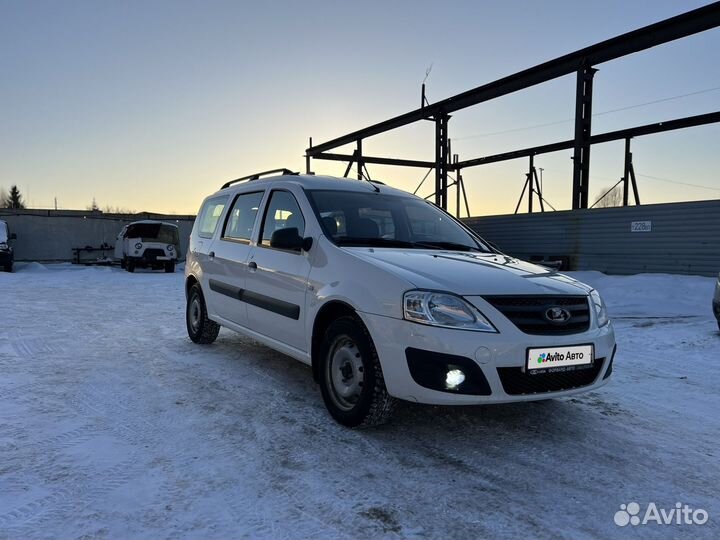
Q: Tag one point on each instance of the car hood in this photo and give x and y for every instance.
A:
(470, 273)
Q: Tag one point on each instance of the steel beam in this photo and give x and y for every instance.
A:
(377, 160)
(680, 26)
(648, 129)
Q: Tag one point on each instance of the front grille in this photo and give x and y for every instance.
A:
(528, 313)
(153, 254)
(517, 382)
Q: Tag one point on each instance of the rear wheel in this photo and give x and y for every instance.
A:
(199, 327)
(351, 381)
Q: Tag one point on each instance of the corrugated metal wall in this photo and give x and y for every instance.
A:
(684, 238)
(51, 235)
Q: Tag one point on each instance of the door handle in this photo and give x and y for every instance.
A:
(211, 254)
(252, 266)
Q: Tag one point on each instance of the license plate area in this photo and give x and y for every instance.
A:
(559, 359)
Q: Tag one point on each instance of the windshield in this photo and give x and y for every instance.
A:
(3, 232)
(153, 232)
(354, 218)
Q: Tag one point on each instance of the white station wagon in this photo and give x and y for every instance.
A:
(387, 297)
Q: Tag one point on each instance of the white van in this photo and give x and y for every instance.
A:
(148, 244)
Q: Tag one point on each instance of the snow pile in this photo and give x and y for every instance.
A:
(653, 295)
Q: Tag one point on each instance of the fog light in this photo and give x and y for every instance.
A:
(454, 378)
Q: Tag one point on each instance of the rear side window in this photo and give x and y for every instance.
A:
(210, 215)
(241, 219)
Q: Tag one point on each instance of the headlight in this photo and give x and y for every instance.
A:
(138, 245)
(600, 309)
(442, 309)
(170, 247)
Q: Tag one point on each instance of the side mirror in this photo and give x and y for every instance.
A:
(13, 236)
(290, 239)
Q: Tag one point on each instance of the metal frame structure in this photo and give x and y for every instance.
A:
(582, 63)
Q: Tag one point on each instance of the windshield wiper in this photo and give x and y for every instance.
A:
(454, 246)
(373, 242)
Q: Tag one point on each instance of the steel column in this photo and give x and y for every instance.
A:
(458, 177)
(626, 172)
(307, 157)
(359, 160)
(441, 160)
(531, 182)
(581, 155)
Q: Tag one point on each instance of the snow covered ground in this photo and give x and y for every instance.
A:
(114, 425)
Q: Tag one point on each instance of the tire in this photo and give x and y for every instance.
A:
(8, 268)
(200, 329)
(130, 266)
(351, 378)
(123, 263)
(169, 268)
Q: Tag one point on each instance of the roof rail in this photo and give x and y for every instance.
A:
(256, 176)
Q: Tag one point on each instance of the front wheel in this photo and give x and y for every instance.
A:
(351, 381)
(169, 267)
(199, 327)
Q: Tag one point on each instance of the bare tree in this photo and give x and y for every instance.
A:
(107, 209)
(12, 199)
(608, 198)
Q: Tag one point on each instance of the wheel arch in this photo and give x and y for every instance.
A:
(189, 282)
(328, 313)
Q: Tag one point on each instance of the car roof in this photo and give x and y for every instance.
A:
(313, 182)
(151, 222)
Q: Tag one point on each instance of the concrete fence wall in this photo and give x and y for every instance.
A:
(51, 235)
(676, 238)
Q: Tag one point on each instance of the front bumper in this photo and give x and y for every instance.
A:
(500, 357)
(155, 256)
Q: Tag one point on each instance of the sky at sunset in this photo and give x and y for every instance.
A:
(152, 105)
